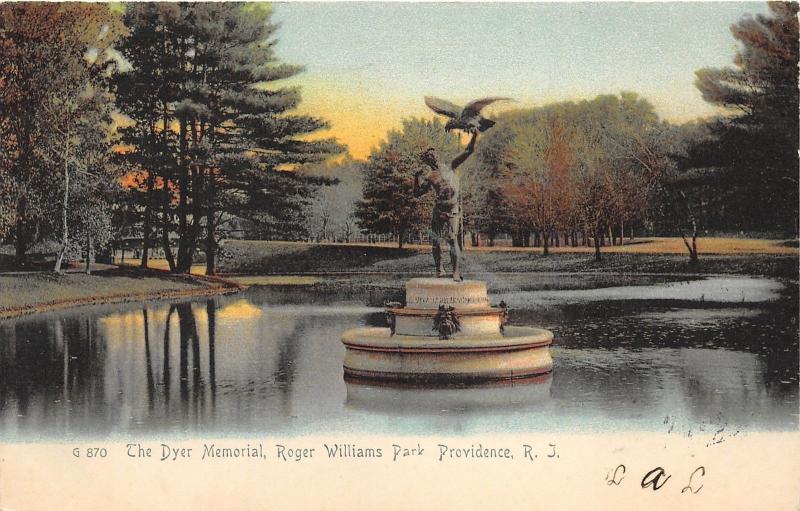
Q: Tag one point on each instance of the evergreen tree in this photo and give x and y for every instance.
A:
(755, 148)
(389, 205)
(228, 146)
(146, 93)
(254, 144)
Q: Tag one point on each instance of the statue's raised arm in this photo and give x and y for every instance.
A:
(458, 160)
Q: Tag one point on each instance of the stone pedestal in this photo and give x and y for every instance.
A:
(424, 294)
(478, 352)
(469, 298)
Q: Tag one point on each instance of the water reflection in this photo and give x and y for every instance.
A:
(410, 400)
(254, 363)
(718, 289)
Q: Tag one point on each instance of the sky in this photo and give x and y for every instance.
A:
(369, 65)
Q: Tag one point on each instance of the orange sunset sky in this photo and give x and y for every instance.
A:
(368, 65)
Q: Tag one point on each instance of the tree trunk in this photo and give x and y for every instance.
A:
(545, 243)
(165, 228)
(21, 233)
(64, 225)
(693, 257)
(622, 232)
(88, 251)
(597, 235)
(20, 245)
(165, 246)
(183, 199)
(211, 226)
(148, 213)
(211, 245)
(198, 190)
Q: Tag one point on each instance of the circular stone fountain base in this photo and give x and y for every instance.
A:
(446, 334)
(375, 354)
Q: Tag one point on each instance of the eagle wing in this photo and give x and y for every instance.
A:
(440, 106)
(478, 105)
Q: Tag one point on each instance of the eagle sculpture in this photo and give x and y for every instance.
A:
(468, 118)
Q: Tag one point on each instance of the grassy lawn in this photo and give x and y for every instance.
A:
(652, 255)
(37, 292)
(258, 257)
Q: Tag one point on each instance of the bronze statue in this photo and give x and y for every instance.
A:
(447, 215)
(447, 221)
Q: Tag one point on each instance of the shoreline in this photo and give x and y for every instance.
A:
(311, 268)
(204, 286)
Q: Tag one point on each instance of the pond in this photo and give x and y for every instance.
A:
(677, 355)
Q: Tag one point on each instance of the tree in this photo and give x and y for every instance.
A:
(90, 178)
(484, 209)
(389, 205)
(690, 199)
(592, 178)
(146, 90)
(255, 144)
(536, 175)
(634, 142)
(226, 145)
(755, 142)
(48, 54)
(82, 117)
(566, 167)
